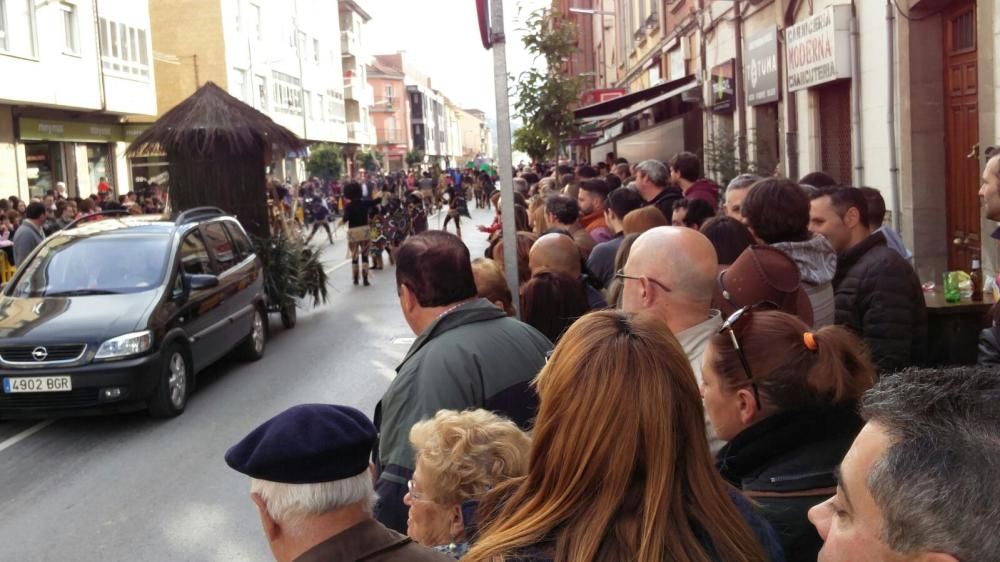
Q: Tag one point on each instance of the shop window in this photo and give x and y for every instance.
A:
(99, 165)
(44, 162)
(147, 170)
(17, 28)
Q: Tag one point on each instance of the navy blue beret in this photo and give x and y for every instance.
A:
(306, 444)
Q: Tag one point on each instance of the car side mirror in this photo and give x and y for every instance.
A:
(199, 282)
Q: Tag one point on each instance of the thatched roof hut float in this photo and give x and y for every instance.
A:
(217, 150)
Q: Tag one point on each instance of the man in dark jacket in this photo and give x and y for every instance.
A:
(30, 234)
(469, 354)
(653, 183)
(876, 291)
(601, 262)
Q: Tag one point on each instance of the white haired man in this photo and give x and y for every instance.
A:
(313, 487)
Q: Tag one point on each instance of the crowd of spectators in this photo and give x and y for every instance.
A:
(697, 374)
(25, 224)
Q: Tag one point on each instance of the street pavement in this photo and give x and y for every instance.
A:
(128, 487)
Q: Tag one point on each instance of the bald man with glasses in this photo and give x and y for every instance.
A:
(671, 272)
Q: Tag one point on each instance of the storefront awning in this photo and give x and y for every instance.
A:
(628, 104)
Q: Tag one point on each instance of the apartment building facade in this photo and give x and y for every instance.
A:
(358, 94)
(391, 110)
(76, 71)
(279, 57)
(899, 95)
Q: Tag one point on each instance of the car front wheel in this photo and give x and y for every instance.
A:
(174, 385)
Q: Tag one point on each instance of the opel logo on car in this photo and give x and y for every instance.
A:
(39, 353)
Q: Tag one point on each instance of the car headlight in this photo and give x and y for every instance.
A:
(125, 346)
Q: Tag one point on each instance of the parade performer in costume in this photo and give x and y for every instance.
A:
(358, 230)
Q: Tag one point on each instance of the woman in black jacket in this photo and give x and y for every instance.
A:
(785, 400)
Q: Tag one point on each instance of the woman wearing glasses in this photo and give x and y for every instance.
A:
(785, 400)
(460, 455)
(620, 467)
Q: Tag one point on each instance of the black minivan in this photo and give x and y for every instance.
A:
(121, 313)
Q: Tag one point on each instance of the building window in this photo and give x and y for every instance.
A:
(389, 95)
(123, 50)
(287, 95)
(390, 130)
(316, 51)
(320, 110)
(261, 86)
(254, 20)
(71, 28)
(17, 27)
(240, 87)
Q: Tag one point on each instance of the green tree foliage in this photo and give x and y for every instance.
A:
(545, 98)
(414, 157)
(530, 141)
(370, 160)
(325, 161)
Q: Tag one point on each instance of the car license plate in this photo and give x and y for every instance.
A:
(13, 385)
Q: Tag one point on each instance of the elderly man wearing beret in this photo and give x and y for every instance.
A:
(311, 483)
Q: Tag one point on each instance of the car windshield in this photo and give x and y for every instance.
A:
(96, 265)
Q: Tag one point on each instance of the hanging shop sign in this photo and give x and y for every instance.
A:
(723, 87)
(760, 77)
(817, 50)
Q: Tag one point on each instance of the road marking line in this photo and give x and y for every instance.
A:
(338, 266)
(11, 441)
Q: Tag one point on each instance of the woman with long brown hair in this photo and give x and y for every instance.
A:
(620, 467)
(785, 399)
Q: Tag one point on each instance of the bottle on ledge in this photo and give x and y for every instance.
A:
(976, 277)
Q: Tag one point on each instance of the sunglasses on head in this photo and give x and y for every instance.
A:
(728, 326)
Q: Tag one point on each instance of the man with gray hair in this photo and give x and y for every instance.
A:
(736, 192)
(919, 483)
(312, 484)
(652, 180)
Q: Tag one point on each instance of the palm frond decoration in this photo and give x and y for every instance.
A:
(291, 271)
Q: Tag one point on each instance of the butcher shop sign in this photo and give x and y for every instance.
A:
(818, 50)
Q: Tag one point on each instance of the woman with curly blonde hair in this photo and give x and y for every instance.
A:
(459, 457)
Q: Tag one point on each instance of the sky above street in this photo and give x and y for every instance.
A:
(442, 38)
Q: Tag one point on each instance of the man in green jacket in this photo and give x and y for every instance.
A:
(468, 354)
